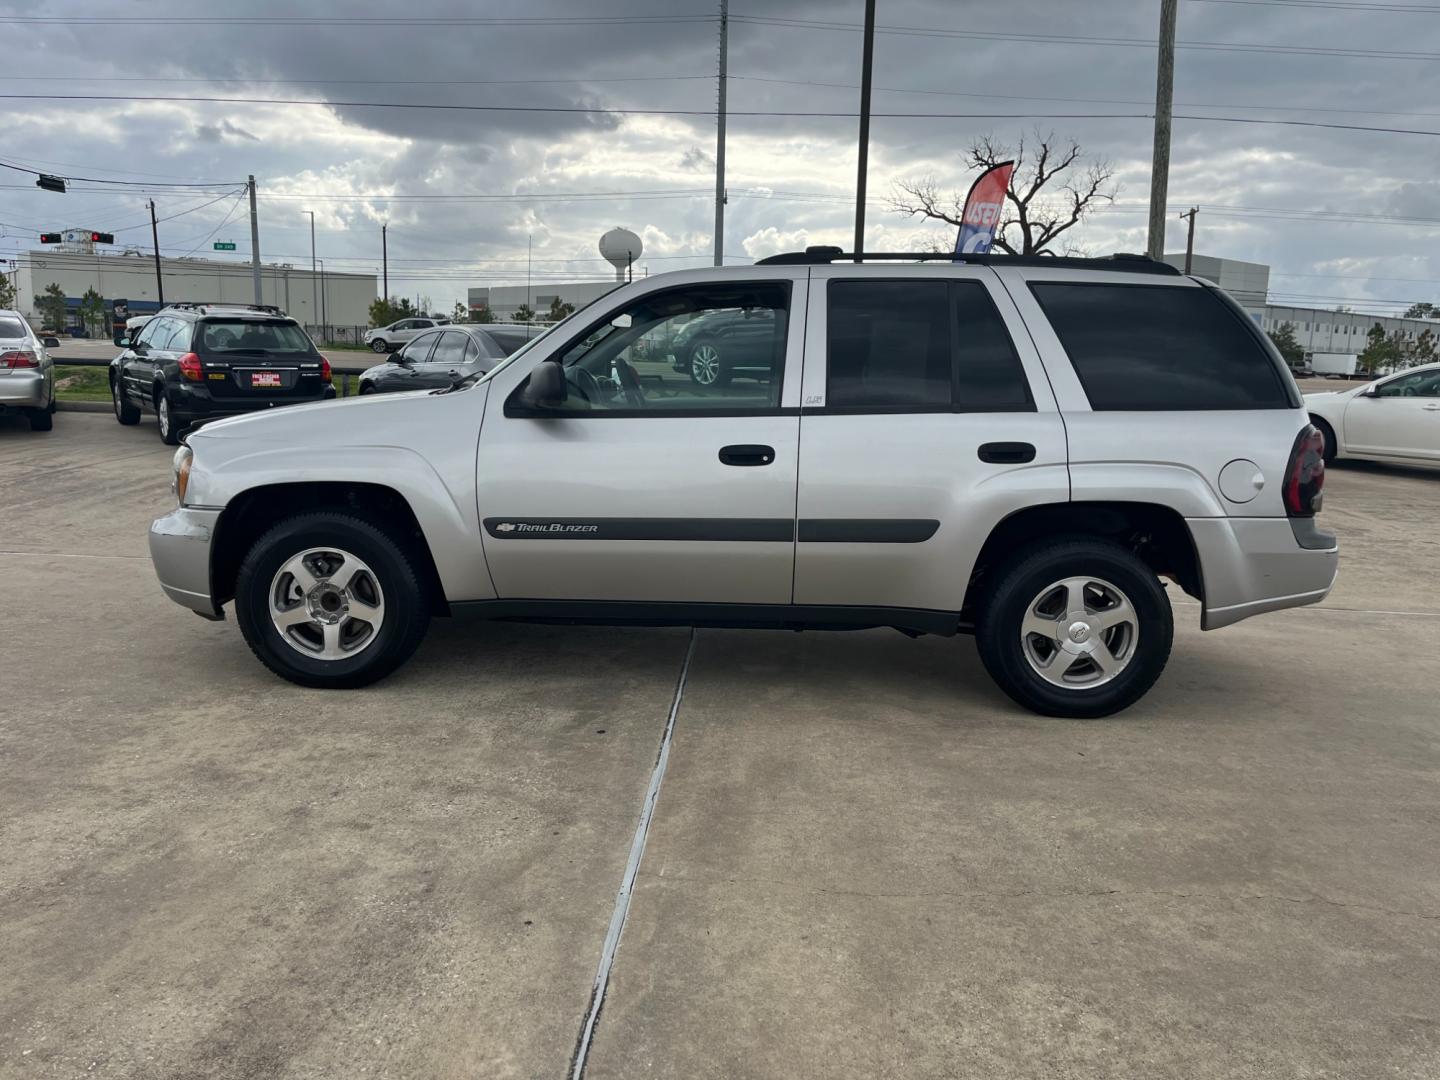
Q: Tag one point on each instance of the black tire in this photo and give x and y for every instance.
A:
(126, 411)
(165, 419)
(407, 612)
(367, 388)
(1024, 577)
(1331, 447)
(379, 345)
(42, 419)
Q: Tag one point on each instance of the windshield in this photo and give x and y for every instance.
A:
(252, 335)
(12, 328)
(542, 337)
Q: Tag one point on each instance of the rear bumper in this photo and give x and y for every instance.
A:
(180, 549)
(195, 402)
(23, 389)
(1253, 565)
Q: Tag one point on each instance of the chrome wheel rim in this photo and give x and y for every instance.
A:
(1079, 633)
(705, 364)
(162, 412)
(115, 397)
(377, 346)
(326, 603)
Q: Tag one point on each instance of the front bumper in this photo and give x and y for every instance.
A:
(1253, 565)
(24, 389)
(180, 549)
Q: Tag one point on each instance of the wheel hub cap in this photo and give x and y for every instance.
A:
(326, 603)
(1079, 633)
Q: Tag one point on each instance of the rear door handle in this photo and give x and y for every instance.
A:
(1006, 453)
(747, 454)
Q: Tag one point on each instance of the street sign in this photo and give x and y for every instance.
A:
(224, 245)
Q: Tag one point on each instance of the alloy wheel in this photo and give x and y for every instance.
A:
(705, 364)
(326, 604)
(1079, 633)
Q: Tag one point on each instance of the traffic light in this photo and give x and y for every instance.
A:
(50, 238)
(102, 238)
(51, 183)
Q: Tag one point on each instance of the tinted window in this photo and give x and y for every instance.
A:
(723, 349)
(988, 375)
(12, 328)
(1155, 347)
(178, 340)
(895, 344)
(418, 349)
(251, 335)
(1418, 384)
(451, 349)
(888, 344)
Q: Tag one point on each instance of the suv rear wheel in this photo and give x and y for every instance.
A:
(379, 345)
(1076, 627)
(330, 600)
(169, 434)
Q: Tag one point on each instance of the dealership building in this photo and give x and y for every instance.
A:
(344, 298)
(1318, 330)
(503, 300)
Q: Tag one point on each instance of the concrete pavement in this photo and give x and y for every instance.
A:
(864, 860)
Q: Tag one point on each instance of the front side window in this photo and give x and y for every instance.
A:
(1417, 384)
(1160, 347)
(699, 349)
(155, 330)
(920, 345)
(418, 350)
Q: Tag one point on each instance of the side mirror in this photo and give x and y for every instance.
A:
(50, 342)
(1370, 391)
(546, 387)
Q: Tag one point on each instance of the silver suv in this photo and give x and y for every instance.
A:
(389, 338)
(1021, 449)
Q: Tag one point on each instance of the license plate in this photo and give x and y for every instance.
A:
(264, 378)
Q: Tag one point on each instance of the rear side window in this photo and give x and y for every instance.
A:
(920, 345)
(1160, 347)
(252, 335)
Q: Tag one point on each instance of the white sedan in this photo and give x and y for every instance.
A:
(1396, 418)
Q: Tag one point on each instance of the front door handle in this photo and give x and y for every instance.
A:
(1431, 408)
(747, 454)
(1006, 453)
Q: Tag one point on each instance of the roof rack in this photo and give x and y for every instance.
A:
(205, 305)
(1124, 261)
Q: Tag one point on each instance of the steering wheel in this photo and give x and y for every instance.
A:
(630, 384)
(587, 384)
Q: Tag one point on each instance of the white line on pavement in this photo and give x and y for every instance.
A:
(68, 555)
(632, 868)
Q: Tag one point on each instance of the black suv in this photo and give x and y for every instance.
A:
(198, 361)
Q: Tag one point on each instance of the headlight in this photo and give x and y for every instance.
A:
(183, 457)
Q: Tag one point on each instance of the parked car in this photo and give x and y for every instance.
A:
(435, 359)
(388, 338)
(194, 362)
(718, 346)
(27, 375)
(1018, 448)
(1395, 419)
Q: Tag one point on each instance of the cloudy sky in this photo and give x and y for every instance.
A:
(464, 189)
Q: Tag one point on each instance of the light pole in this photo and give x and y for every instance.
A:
(314, 285)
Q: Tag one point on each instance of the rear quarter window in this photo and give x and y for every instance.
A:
(1161, 348)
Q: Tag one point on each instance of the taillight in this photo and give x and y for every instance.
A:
(190, 367)
(19, 358)
(1305, 475)
(325, 375)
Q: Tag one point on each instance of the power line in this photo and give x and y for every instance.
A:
(1335, 5)
(120, 183)
(347, 82)
(290, 21)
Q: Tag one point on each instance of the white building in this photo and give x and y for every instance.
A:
(503, 300)
(345, 298)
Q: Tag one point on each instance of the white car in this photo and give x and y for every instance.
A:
(1396, 418)
(389, 338)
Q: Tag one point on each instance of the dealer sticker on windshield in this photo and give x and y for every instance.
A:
(264, 378)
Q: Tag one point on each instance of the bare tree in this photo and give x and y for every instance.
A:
(1052, 189)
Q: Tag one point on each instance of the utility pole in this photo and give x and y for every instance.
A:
(1164, 97)
(314, 285)
(867, 65)
(385, 263)
(155, 236)
(254, 242)
(1190, 237)
(720, 137)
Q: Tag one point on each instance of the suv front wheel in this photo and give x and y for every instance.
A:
(1076, 627)
(329, 600)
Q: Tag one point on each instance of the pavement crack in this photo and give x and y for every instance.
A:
(627, 879)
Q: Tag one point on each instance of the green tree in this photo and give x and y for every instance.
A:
(383, 312)
(1422, 310)
(1424, 351)
(1380, 352)
(524, 313)
(1284, 338)
(51, 307)
(7, 291)
(460, 313)
(559, 309)
(92, 311)
(482, 315)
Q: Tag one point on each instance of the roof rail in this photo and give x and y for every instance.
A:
(824, 255)
(205, 305)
